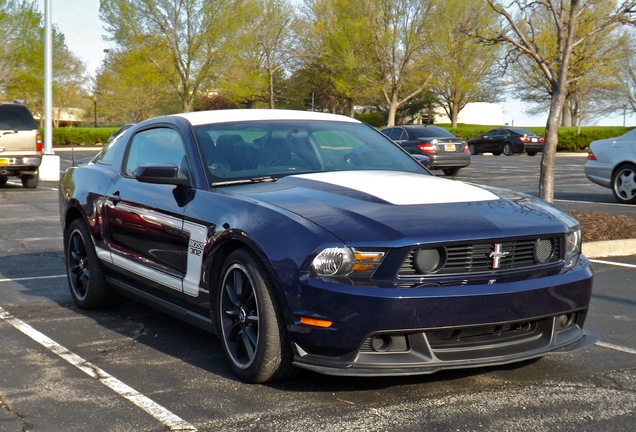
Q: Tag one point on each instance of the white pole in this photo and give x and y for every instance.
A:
(50, 166)
(48, 74)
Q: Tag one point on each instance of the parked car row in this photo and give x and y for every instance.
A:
(450, 153)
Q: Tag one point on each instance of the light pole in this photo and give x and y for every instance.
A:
(94, 111)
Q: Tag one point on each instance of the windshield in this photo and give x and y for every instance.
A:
(272, 149)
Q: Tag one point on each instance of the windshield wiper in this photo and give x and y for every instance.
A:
(245, 181)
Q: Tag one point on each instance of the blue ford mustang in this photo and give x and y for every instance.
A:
(310, 240)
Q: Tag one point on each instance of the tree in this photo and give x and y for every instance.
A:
(464, 69)
(524, 31)
(593, 66)
(626, 79)
(130, 89)
(193, 34)
(259, 57)
(336, 46)
(375, 45)
(22, 64)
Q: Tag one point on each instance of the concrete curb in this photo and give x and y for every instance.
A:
(609, 248)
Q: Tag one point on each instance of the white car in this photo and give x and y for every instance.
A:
(611, 163)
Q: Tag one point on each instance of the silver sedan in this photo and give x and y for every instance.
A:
(611, 163)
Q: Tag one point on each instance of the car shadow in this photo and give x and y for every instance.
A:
(137, 323)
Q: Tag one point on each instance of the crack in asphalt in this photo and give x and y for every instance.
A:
(24, 427)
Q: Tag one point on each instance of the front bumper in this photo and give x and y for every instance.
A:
(380, 331)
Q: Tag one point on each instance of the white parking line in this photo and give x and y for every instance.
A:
(170, 420)
(31, 278)
(617, 264)
(594, 202)
(616, 347)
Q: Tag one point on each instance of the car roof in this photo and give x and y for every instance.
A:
(234, 115)
(419, 126)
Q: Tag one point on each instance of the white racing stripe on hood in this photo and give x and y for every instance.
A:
(403, 188)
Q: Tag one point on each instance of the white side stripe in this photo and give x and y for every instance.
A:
(170, 420)
(198, 239)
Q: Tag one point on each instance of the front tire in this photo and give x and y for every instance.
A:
(624, 184)
(84, 270)
(250, 325)
(472, 148)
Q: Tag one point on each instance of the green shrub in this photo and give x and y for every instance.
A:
(375, 119)
(81, 136)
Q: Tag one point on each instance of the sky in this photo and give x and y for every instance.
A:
(83, 31)
(79, 21)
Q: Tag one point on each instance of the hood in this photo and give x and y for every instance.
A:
(372, 207)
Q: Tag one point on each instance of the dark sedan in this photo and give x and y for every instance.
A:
(507, 141)
(445, 151)
(310, 240)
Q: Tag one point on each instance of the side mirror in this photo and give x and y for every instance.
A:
(160, 174)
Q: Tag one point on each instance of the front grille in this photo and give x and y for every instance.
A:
(481, 257)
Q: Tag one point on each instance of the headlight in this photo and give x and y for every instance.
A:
(572, 247)
(345, 261)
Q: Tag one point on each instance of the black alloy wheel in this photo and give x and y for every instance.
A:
(254, 337)
(83, 269)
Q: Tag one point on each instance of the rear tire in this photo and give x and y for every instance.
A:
(250, 325)
(451, 171)
(30, 181)
(508, 150)
(3, 180)
(532, 153)
(84, 269)
(624, 184)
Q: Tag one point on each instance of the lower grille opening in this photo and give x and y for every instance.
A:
(479, 336)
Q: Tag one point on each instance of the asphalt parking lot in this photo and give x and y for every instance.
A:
(134, 369)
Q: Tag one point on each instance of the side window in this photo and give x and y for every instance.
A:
(394, 133)
(155, 146)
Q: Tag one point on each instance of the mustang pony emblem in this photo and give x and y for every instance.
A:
(496, 256)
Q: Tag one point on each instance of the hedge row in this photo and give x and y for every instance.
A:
(570, 139)
(81, 136)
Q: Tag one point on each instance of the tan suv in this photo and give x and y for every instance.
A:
(20, 145)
